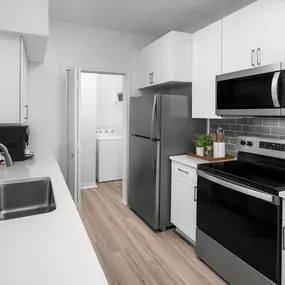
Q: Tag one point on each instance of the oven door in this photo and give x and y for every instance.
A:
(254, 92)
(243, 220)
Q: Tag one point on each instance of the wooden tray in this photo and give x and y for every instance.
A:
(210, 157)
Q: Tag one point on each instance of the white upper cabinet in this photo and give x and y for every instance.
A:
(146, 66)
(207, 63)
(271, 21)
(169, 59)
(251, 36)
(24, 108)
(13, 83)
(239, 39)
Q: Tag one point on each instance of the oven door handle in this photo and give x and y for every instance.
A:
(241, 188)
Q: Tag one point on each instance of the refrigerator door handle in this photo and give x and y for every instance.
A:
(157, 183)
(154, 108)
(154, 157)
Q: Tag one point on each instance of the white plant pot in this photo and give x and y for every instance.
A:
(200, 151)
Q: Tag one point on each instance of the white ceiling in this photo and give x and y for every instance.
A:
(150, 17)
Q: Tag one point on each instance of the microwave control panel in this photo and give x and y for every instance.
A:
(272, 146)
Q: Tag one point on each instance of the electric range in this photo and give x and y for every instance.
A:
(239, 213)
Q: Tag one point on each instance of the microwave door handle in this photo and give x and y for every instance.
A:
(274, 89)
(153, 115)
(240, 188)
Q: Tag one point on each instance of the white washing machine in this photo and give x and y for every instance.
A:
(109, 155)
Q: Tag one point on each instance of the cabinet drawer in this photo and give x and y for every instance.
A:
(185, 171)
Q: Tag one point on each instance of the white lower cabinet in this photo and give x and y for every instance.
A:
(183, 200)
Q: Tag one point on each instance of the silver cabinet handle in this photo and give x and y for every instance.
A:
(240, 188)
(27, 112)
(150, 78)
(195, 193)
(253, 58)
(274, 89)
(183, 171)
(258, 56)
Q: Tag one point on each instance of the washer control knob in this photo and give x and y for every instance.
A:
(242, 142)
(249, 144)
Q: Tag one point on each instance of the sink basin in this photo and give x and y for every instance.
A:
(26, 198)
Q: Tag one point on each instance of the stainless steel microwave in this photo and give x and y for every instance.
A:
(253, 92)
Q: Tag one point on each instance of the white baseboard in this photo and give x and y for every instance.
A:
(88, 185)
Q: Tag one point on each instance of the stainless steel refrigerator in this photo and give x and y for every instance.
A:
(160, 126)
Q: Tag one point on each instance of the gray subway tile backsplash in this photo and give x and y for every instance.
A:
(235, 127)
(242, 121)
(278, 130)
(255, 121)
(259, 127)
(270, 122)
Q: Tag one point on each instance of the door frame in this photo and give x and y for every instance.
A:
(126, 107)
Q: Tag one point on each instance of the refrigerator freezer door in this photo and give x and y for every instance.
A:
(143, 116)
(143, 194)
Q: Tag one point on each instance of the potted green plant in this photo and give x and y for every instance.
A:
(208, 144)
(203, 141)
(199, 143)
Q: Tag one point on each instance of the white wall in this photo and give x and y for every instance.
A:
(73, 45)
(88, 129)
(109, 110)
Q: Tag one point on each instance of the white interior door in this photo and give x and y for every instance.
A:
(73, 131)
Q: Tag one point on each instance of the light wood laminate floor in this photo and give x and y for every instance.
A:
(130, 252)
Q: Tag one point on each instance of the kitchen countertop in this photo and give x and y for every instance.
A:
(188, 160)
(47, 249)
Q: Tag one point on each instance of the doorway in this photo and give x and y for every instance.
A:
(100, 101)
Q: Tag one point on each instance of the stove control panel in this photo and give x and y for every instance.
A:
(262, 146)
(272, 146)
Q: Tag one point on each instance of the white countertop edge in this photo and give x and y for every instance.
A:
(188, 160)
(47, 249)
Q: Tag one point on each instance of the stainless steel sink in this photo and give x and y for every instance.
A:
(26, 198)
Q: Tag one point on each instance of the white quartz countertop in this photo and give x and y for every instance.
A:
(188, 160)
(191, 161)
(47, 249)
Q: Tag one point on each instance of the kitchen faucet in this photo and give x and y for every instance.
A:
(8, 159)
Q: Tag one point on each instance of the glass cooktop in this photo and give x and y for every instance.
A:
(268, 176)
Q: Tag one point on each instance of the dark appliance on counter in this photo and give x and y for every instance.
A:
(239, 213)
(160, 125)
(257, 91)
(16, 138)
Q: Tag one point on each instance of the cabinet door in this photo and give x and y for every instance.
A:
(9, 78)
(239, 40)
(146, 58)
(271, 23)
(173, 58)
(207, 63)
(162, 60)
(183, 206)
(24, 111)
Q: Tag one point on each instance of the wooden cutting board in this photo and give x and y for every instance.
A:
(210, 157)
